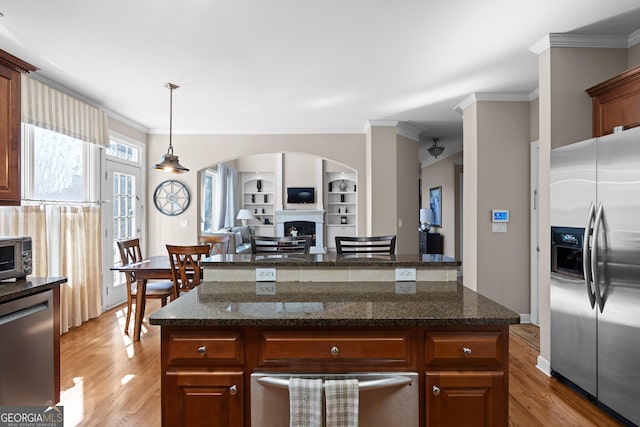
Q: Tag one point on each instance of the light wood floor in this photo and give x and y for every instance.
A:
(107, 380)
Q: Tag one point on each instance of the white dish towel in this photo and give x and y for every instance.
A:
(342, 401)
(305, 402)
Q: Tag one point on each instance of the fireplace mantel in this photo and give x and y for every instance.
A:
(316, 216)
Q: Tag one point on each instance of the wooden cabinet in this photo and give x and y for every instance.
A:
(430, 243)
(466, 399)
(202, 377)
(10, 71)
(196, 396)
(466, 378)
(616, 102)
(463, 370)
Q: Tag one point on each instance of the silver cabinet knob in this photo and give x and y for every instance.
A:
(233, 390)
(436, 390)
(202, 350)
(467, 351)
(335, 351)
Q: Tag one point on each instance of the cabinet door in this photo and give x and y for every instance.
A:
(9, 136)
(199, 398)
(466, 399)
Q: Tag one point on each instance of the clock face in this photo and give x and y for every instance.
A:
(171, 197)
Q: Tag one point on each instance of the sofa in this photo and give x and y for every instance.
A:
(240, 241)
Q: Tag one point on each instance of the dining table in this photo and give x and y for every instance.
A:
(155, 267)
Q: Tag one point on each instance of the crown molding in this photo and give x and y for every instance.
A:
(378, 123)
(492, 96)
(534, 94)
(607, 41)
(409, 130)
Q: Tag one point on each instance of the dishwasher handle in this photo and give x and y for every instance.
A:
(377, 384)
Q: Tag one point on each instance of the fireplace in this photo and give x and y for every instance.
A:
(301, 228)
(307, 222)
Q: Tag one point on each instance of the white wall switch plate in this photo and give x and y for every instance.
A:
(405, 274)
(265, 274)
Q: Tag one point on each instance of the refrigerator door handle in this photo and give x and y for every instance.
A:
(586, 255)
(594, 257)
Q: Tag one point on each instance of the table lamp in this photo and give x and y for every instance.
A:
(244, 215)
(425, 219)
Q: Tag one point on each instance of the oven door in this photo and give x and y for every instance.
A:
(385, 399)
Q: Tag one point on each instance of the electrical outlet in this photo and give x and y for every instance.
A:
(405, 274)
(265, 274)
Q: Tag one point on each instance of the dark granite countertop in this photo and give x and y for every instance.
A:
(330, 260)
(10, 290)
(332, 304)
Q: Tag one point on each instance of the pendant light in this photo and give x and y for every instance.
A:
(170, 162)
(435, 150)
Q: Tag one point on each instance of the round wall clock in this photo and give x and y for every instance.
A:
(171, 197)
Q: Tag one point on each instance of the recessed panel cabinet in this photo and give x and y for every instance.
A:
(10, 70)
(206, 370)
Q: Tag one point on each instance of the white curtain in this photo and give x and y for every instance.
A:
(226, 197)
(48, 108)
(66, 242)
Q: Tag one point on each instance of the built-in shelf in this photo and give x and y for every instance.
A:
(342, 205)
(258, 196)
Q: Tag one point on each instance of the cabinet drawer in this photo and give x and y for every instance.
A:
(379, 347)
(464, 349)
(219, 347)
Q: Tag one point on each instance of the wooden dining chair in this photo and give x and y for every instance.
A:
(218, 245)
(130, 253)
(366, 245)
(185, 266)
(280, 245)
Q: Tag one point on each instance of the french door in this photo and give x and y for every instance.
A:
(122, 213)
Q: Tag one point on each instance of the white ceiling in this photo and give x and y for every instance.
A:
(295, 66)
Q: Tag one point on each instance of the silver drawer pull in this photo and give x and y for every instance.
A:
(202, 350)
(233, 390)
(436, 390)
(335, 351)
(467, 351)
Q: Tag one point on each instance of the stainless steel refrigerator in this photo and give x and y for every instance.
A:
(595, 277)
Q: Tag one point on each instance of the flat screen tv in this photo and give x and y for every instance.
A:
(301, 195)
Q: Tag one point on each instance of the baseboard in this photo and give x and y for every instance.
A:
(544, 366)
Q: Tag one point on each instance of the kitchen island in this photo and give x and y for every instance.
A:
(215, 337)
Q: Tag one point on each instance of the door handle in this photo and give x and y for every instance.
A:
(586, 255)
(594, 257)
(376, 384)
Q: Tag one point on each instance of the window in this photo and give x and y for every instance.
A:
(123, 151)
(57, 167)
(208, 208)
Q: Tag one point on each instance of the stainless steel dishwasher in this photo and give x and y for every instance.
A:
(27, 350)
(385, 398)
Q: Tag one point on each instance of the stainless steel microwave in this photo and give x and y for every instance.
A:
(16, 260)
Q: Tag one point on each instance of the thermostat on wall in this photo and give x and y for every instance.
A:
(499, 215)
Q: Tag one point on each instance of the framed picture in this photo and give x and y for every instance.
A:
(435, 204)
